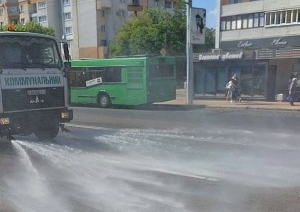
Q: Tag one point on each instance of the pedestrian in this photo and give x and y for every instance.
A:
(235, 93)
(228, 89)
(292, 92)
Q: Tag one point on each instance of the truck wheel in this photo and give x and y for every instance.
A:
(104, 100)
(47, 130)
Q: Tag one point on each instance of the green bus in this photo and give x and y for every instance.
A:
(122, 81)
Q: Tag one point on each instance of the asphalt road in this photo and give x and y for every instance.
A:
(157, 159)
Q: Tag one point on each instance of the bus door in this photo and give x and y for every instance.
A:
(136, 88)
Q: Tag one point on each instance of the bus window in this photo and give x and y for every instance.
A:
(158, 71)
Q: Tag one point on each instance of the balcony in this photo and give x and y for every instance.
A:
(102, 4)
(134, 8)
(242, 8)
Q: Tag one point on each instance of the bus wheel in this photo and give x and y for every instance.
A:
(47, 129)
(104, 100)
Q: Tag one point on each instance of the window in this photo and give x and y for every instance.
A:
(267, 19)
(135, 2)
(283, 17)
(250, 21)
(233, 23)
(22, 21)
(103, 42)
(256, 20)
(1, 11)
(168, 4)
(234, 1)
(245, 21)
(67, 16)
(68, 30)
(103, 28)
(223, 24)
(21, 8)
(228, 23)
(289, 16)
(33, 19)
(43, 18)
(41, 5)
(239, 22)
(103, 13)
(261, 19)
(66, 2)
(278, 18)
(294, 16)
(273, 17)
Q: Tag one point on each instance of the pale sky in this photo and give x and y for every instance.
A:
(210, 6)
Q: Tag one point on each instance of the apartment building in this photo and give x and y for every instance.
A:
(259, 41)
(87, 25)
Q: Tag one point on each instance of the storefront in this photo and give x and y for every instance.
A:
(263, 67)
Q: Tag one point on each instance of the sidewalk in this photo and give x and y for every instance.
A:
(222, 103)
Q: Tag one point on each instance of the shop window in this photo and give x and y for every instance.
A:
(298, 16)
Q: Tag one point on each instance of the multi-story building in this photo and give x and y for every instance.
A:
(259, 41)
(88, 26)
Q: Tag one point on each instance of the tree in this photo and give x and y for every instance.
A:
(30, 27)
(153, 30)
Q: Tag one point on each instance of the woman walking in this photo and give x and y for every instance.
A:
(292, 91)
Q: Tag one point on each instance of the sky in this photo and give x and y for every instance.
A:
(210, 6)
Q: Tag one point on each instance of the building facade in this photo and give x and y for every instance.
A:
(259, 41)
(88, 26)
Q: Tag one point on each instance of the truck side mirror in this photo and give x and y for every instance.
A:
(66, 51)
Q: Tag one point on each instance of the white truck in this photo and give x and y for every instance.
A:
(33, 85)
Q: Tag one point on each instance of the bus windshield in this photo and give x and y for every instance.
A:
(29, 52)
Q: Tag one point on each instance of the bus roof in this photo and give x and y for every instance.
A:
(120, 61)
(26, 34)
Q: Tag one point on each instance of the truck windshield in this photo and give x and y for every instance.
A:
(29, 52)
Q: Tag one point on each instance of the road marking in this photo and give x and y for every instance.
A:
(84, 126)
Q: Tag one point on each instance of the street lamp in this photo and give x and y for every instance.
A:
(189, 58)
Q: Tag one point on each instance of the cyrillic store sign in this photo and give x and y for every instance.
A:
(220, 56)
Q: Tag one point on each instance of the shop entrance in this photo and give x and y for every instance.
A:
(211, 80)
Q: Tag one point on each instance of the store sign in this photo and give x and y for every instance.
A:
(261, 43)
(244, 44)
(227, 56)
(279, 41)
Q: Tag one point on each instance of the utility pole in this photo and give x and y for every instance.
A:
(189, 56)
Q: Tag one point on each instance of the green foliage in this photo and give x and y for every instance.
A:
(210, 34)
(31, 27)
(152, 30)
